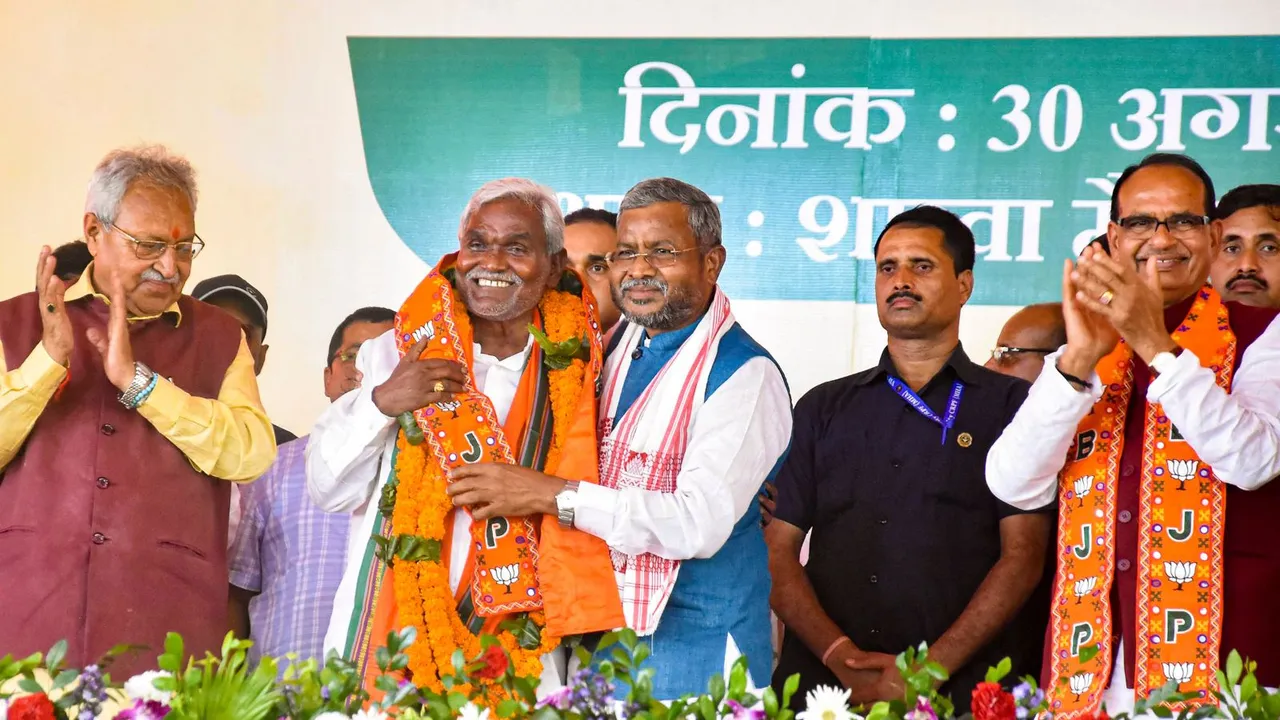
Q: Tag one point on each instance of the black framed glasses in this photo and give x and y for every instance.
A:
(1142, 227)
(660, 258)
(154, 249)
(1004, 352)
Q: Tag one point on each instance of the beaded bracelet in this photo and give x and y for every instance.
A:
(146, 392)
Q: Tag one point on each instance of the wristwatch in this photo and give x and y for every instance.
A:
(567, 504)
(141, 379)
(1163, 363)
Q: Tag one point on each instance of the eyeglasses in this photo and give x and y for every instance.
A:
(1004, 352)
(1141, 227)
(660, 258)
(154, 249)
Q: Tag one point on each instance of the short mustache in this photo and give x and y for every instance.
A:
(1240, 277)
(649, 282)
(903, 294)
(153, 275)
(478, 273)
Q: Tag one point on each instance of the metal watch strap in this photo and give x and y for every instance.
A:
(566, 514)
(141, 378)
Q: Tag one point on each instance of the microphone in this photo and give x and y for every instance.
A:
(637, 354)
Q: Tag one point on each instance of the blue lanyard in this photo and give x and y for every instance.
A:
(953, 405)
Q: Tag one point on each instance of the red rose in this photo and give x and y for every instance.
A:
(31, 707)
(991, 702)
(494, 663)
(1100, 715)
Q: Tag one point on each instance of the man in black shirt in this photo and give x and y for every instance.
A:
(887, 469)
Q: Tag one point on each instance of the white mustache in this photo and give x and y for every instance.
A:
(649, 282)
(154, 276)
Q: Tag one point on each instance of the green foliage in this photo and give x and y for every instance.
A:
(1088, 652)
(220, 688)
(225, 688)
(560, 355)
(412, 433)
(410, 548)
(998, 673)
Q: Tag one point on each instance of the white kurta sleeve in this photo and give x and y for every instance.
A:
(347, 441)
(736, 440)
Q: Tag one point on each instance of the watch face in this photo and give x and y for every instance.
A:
(567, 500)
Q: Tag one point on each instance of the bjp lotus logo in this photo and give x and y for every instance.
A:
(1085, 586)
(506, 575)
(1082, 486)
(1177, 672)
(450, 406)
(1080, 683)
(1182, 471)
(1180, 572)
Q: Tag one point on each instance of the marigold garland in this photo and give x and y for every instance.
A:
(423, 596)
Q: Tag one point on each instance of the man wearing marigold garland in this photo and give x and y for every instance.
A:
(1157, 428)
(493, 360)
(694, 417)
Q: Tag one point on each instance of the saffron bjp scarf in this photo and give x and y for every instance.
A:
(1180, 531)
(527, 582)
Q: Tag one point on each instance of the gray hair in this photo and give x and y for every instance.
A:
(120, 169)
(539, 197)
(704, 216)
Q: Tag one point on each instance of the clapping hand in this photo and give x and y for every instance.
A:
(1090, 335)
(58, 338)
(114, 346)
(1131, 302)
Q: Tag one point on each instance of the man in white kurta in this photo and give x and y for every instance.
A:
(695, 416)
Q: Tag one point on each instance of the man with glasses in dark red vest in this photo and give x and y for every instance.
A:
(126, 411)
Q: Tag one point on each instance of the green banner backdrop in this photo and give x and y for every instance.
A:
(811, 145)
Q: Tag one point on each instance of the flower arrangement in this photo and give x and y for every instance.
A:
(226, 688)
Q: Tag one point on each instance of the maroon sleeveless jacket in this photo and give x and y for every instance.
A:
(108, 534)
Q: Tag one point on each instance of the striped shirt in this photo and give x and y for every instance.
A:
(291, 553)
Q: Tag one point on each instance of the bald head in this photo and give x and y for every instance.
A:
(1032, 332)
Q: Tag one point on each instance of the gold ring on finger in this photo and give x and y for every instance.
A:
(1106, 297)
(439, 386)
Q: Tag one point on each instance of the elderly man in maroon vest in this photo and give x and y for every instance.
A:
(125, 407)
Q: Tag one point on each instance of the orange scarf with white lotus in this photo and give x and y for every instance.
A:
(1181, 514)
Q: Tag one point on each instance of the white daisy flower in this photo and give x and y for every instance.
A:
(471, 712)
(826, 703)
(370, 714)
(143, 687)
(331, 715)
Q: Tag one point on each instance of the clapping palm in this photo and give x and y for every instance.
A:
(1087, 330)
